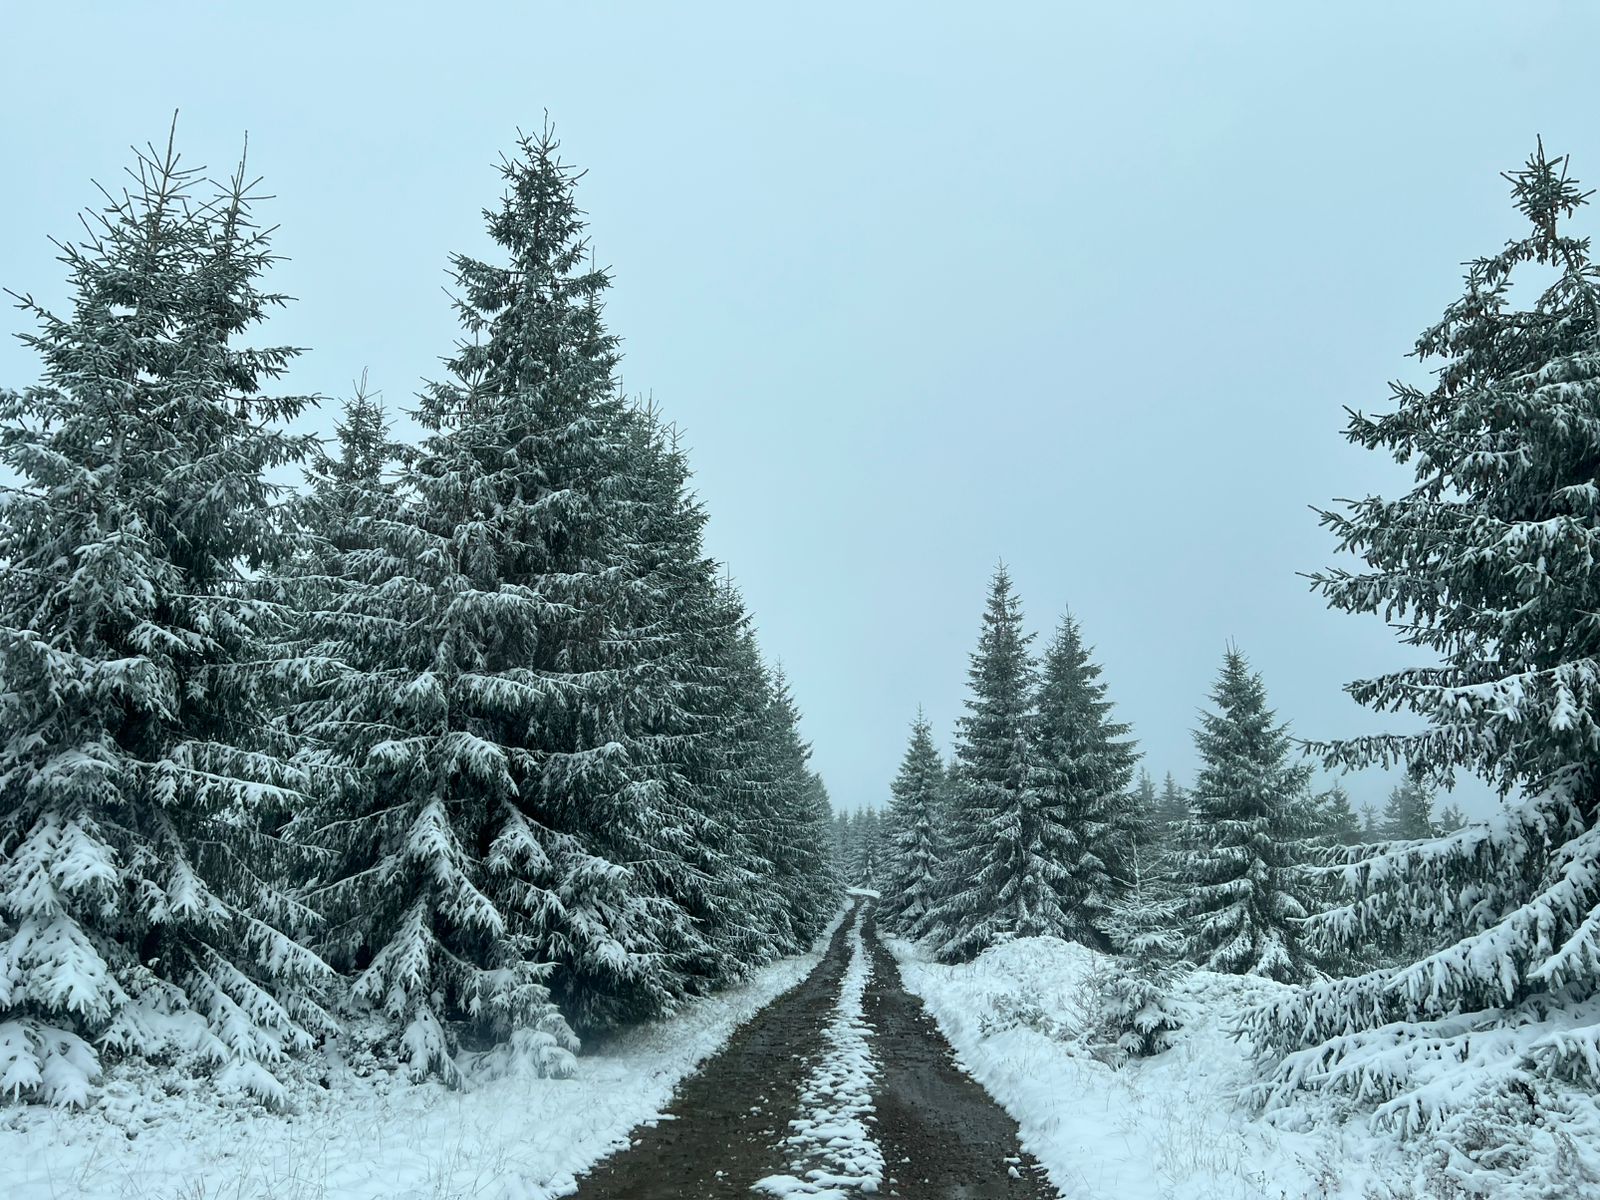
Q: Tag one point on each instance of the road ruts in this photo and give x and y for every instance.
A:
(729, 1119)
(941, 1135)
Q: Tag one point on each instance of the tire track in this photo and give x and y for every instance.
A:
(740, 1120)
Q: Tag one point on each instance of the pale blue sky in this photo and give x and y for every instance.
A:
(1080, 286)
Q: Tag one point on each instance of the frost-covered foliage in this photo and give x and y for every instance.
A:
(910, 885)
(143, 904)
(1083, 769)
(1242, 884)
(1489, 562)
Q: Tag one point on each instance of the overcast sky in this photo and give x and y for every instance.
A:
(1080, 287)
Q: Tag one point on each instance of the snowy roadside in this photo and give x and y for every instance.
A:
(1165, 1128)
(377, 1137)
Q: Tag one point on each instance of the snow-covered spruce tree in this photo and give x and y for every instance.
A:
(912, 869)
(851, 864)
(777, 806)
(1003, 876)
(537, 443)
(144, 907)
(1171, 814)
(788, 810)
(1408, 813)
(1333, 819)
(684, 687)
(841, 842)
(415, 812)
(874, 849)
(1083, 768)
(438, 873)
(1243, 884)
(495, 705)
(861, 849)
(1487, 561)
(779, 874)
(1147, 806)
(344, 492)
(1133, 996)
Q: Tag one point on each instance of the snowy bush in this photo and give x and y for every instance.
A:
(1113, 1009)
(1024, 1011)
(1134, 1012)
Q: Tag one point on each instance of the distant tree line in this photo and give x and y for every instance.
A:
(1038, 825)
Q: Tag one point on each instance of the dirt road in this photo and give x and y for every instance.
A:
(940, 1135)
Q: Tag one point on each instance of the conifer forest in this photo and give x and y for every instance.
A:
(405, 793)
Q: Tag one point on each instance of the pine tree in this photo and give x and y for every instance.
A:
(913, 861)
(790, 809)
(535, 447)
(1245, 902)
(1083, 768)
(1408, 813)
(144, 903)
(1147, 805)
(1450, 819)
(1171, 813)
(841, 843)
(1486, 562)
(1003, 877)
(871, 849)
(488, 818)
(1333, 819)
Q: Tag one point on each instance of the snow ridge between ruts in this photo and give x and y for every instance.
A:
(835, 1152)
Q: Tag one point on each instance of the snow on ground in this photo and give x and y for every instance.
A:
(1165, 1128)
(157, 1137)
(835, 1153)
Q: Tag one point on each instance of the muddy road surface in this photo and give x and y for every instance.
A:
(940, 1135)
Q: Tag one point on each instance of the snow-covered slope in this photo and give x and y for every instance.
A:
(152, 1137)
